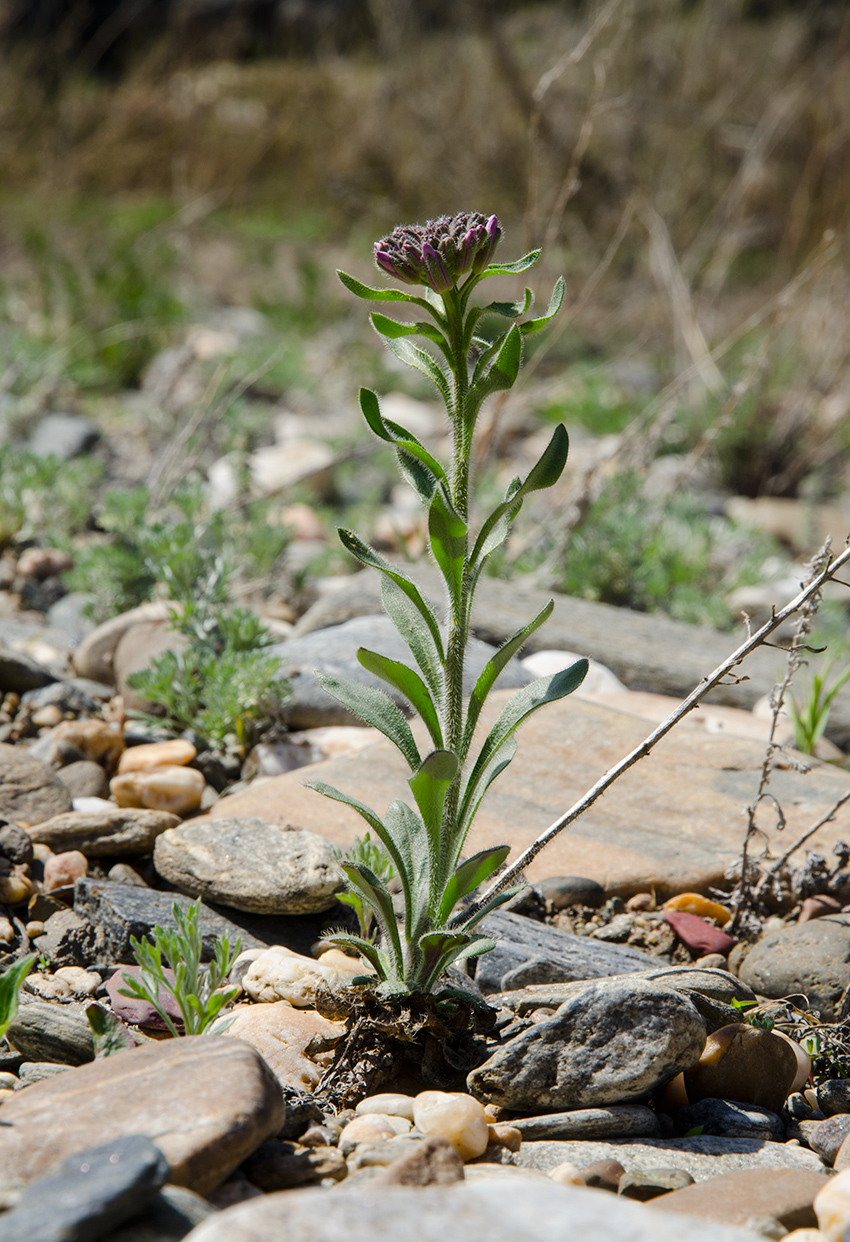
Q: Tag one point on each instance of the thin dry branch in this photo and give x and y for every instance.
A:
(696, 696)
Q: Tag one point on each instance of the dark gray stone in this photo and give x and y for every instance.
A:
(615, 1121)
(697, 983)
(615, 1042)
(45, 1032)
(30, 792)
(834, 1096)
(173, 1212)
(89, 1194)
(67, 696)
(334, 651)
(559, 891)
(63, 435)
(120, 911)
(15, 844)
(729, 1119)
(70, 940)
(20, 673)
(646, 1184)
(812, 958)
(527, 952)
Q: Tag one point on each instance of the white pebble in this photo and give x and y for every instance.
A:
(566, 1174)
(457, 1117)
(832, 1207)
(392, 1104)
(371, 1128)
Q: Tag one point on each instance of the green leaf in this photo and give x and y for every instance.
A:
(392, 433)
(441, 949)
(391, 329)
(408, 682)
(364, 947)
(447, 532)
(494, 667)
(472, 796)
(10, 986)
(368, 556)
(407, 619)
(544, 473)
(429, 785)
(376, 708)
(396, 844)
(525, 701)
(369, 294)
(381, 902)
(535, 325)
(510, 269)
(511, 310)
(109, 1034)
(421, 361)
(462, 923)
(469, 875)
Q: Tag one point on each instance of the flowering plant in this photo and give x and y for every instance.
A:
(448, 257)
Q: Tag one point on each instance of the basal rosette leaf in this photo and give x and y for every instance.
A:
(10, 986)
(377, 896)
(429, 785)
(468, 876)
(442, 948)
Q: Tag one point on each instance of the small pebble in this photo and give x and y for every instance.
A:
(566, 1174)
(603, 1175)
(457, 1117)
(169, 787)
(501, 1134)
(47, 717)
(370, 1128)
(63, 869)
(16, 887)
(7, 931)
(154, 754)
(35, 928)
(832, 1207)
(391, 1104)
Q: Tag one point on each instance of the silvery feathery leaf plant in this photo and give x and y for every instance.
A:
(448, 257)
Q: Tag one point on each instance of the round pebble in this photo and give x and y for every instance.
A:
(62, 870)
(566, 1174)
(168, 787)
(457, 1117)
(391, 1104)
(153, 754)
(369, 1128)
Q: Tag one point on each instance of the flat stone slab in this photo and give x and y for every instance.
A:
(703, 1156)
(500, 1210)
(672, 823)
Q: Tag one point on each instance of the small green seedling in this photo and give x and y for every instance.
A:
(811, 717)
(196, 988)
(10, 987)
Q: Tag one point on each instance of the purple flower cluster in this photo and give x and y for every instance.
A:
(439, 252)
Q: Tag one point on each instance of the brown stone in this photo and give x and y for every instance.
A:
(732, 1198)
(827, 1137)
(30, 791)
(432, 1162)
(603, 1175)
(746, 1064)
(61, 870)
(94, 656)
(137, 649)
(170, 787)
(283, 1166)
(282, 1036)
(150, 755)
(94, 740)
(206, 1101)
(670, 824)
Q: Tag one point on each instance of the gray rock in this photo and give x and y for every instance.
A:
(66, 695)
(645, 1184)
(70, 940)
(15, 844)
(613, 1043)
(85, 779)
(121, 911)
(559, 891)
(44, 1032)
(825, 1137)
(34, 1071)
(70, 615)
(93, 658)
(499, 1210)
(334, 651)
(250, 865)
(729, 1119)
(528, 952)
(703, 1156)
(137, 649)
(615, 1121)
(169, 1217)
(834, 1096)
(106, 833)
(812, 958)
(91, 1192)
(20, 673)
(30, 791)
(63, 435)
(697, 983)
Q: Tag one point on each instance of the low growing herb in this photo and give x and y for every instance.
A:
(448, 258)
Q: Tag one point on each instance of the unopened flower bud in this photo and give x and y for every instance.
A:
(438, 253)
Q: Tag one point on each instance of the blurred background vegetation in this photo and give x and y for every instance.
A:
(684, 162)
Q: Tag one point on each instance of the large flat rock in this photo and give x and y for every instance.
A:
(703, 1156)
(673, 822)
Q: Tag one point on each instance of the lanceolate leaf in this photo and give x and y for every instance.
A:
(394, 844)
(408, 621)
(408, 682)
(10, 984)
(511, 310)
(510, 269)
(381, 902)
(391, 329)
(376, 708)
(461, 923)
(494, 666)
(368, 556)
(455, 948)
(423, 362)
(381, 295)
(524, 702)
(469, 875)
(429, 785)
(398, 436)
(364, 947)
(534, 325)
(544, 473)
(473, 794)
(447, 531)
